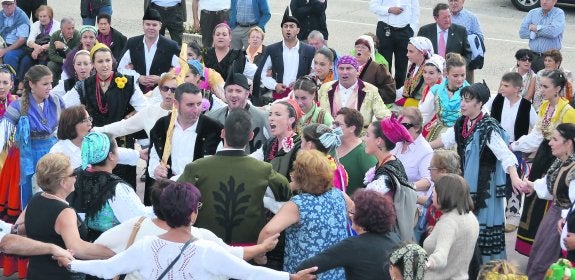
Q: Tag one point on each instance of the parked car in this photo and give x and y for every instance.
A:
(527, 5)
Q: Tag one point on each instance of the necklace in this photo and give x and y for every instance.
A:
(53, 196)
(103, 108)
(548, 115)
(385, 159)
(467, 128)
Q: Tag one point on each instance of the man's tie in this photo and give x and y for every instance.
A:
(441, 48)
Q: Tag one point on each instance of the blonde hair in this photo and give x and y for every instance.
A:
(50, 170)
(312, 172)
(166, 77)
(257, 29)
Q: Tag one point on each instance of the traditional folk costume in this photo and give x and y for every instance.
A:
(538, 140)
(442, 109)
(315, 115)
(414, 84)
(26, 136)
(554, 187)
(485, 158)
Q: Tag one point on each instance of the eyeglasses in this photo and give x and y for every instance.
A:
(88, 120)
(166, 89)
(74, 174)
(432, 168)
(407, 125)
(526, 59)
(7, 4)
(351, 213)
(200, 205)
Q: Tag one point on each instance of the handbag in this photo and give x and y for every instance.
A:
(421, 225)
(176, 259)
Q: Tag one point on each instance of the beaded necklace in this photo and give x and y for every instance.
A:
(468, 130)
(103, 108)
(548, 115)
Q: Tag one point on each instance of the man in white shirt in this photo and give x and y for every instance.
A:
(397, 22)
(18, 245)
(147, 56)
(212, 12)
(173, 13)
(285, 61)
(193, 136)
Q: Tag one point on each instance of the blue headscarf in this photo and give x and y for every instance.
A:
(95, 148)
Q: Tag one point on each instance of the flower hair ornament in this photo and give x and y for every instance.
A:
(121, 81)
(287, 144)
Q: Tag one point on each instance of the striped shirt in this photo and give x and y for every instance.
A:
(550, 29)
(469, 20)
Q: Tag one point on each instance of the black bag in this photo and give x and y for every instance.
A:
(40, 40)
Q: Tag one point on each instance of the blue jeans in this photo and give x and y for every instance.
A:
(92, 20)
(13, 58)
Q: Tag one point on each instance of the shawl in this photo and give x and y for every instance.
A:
(447, 110)
(414, 84)
(92, 191)
(554, 170)
(477, 163)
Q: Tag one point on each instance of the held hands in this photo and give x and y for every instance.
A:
(58, 252)
(270, 243)
(261, 259)
(144, 154)
(527, 188)
(280, 88)
(304, 274)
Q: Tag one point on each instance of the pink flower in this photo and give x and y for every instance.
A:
(287, 144)
(369, 175)
(205, 104)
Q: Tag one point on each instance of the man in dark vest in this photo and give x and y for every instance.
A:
(147, 56)
(278, 75)
(517, 117)
(237, 92)
(193, 136)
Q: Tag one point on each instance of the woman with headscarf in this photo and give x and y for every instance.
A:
(485, 158)
(432, 75)
(388, 176)
(104, 198)
(419, 50)
(373, 72)
(88, 35)
(408, 262)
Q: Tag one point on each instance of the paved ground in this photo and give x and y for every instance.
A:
(347, 19)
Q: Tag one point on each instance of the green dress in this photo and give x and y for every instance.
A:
(356, 163)
(315, 115)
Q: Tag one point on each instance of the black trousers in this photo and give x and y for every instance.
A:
(393, 43)
(173, 20)
(29, 7)
(209, 20)
(537, 63)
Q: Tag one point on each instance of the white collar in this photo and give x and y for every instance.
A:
(341, 87)
(286, 47)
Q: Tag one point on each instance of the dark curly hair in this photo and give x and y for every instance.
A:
(177, 202)
(155, 194)
(373, 211)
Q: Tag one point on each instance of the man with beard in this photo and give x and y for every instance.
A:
(237, 91)
(192, 136)
(277, 74)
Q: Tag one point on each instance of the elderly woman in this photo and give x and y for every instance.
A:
(40, 32)
(552, 61)
(351, 152)
(419, 50)
(83, 69)
(49, 218)
(220, 56)
(315, 219)
(119, 238)
(183, 255)
(415, 156)
(408, 262)
(451, 244)
(373, 72)
(322, 138)
(104, 198)
(255, 47)
(75, 123)
(524, 58)
(556, 185)
(388, 175)
(323, 68)
(362, 256)
(304, 93)
(88, 35)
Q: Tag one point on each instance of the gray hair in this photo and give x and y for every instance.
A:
(65, 20)
(316, 35)
(447, 160)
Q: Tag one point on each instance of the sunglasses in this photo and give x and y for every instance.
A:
(407, 125)
(166, 89)
(526, 59)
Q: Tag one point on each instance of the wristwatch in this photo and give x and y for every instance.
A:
(65, 48)
(69, 266)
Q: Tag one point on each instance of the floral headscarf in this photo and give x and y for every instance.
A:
(414, 258)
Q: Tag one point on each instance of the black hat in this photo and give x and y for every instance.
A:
(152, 14)
(288, 18)
(480, 91)
(238, 79)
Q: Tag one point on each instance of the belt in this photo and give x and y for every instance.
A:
(156, 6)
(215, 12)
(395, 28)
(247, 24)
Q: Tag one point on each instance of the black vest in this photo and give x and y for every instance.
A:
(521, 121)
(162, 62)
(117, 100)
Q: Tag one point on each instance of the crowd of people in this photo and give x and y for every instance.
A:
(280, 161)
